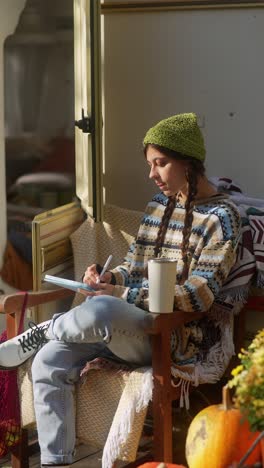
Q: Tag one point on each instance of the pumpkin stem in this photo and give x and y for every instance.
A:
(227, 403)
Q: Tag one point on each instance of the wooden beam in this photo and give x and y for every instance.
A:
(170, 5)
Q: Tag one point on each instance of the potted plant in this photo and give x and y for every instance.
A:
(248, 383)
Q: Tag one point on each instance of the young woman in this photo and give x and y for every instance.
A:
(187, 221)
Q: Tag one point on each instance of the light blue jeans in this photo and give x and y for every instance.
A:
(101, 326)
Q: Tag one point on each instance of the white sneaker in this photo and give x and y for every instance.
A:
(17, 350)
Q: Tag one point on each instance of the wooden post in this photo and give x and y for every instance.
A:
(162, 398)
(19, 454)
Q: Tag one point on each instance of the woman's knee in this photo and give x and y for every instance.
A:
(109, 309)
(87, 321)
(97, 319)
(103, 306)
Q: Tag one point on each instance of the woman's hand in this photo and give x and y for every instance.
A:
(100, 289)
(92, 277)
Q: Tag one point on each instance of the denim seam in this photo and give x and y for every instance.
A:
(62, 431)
(130, 334)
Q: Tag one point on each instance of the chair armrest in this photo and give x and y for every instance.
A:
(255, 302)
(156, 324)
(12, 303)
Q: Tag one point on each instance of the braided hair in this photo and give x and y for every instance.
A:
(164, 225)
(194, 168)
(192, 179)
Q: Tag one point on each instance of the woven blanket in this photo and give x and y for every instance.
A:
(249, 268)
(111, 408)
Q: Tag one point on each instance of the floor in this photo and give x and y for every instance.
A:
(86, 457)
(90, 457)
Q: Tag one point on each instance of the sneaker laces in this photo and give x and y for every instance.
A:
(34, 338)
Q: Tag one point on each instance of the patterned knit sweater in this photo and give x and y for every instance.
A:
(212, 252)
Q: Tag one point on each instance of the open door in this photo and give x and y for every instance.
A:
(88, 105)
(51, 230)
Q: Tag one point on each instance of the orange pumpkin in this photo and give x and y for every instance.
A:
(157, 464)
(218, 436)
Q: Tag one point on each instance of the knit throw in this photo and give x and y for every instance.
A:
(249, 268)
(117, 412)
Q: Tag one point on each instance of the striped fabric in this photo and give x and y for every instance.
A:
(212, 252)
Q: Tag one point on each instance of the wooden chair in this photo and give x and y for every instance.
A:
(159, 327)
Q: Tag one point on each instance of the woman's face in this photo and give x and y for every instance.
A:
(167, 173)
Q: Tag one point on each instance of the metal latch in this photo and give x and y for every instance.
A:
(85, 124)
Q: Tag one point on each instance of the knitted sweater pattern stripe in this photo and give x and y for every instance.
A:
(212, 253)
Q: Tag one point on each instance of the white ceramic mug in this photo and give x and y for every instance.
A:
(162, 280)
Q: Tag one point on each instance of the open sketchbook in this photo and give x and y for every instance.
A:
(66, 283)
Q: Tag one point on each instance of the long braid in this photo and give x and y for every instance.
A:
(164, 225)
(191, 177)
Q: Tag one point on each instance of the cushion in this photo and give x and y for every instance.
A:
(94, 242)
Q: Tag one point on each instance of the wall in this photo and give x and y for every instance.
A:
(207, 61)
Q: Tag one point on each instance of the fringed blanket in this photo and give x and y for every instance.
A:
(207, 365)
(116, 401)
(249, 268)
(192, 366)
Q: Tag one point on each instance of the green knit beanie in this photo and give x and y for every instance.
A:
(179, 133)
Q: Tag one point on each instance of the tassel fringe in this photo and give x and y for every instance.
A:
(122, 426)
